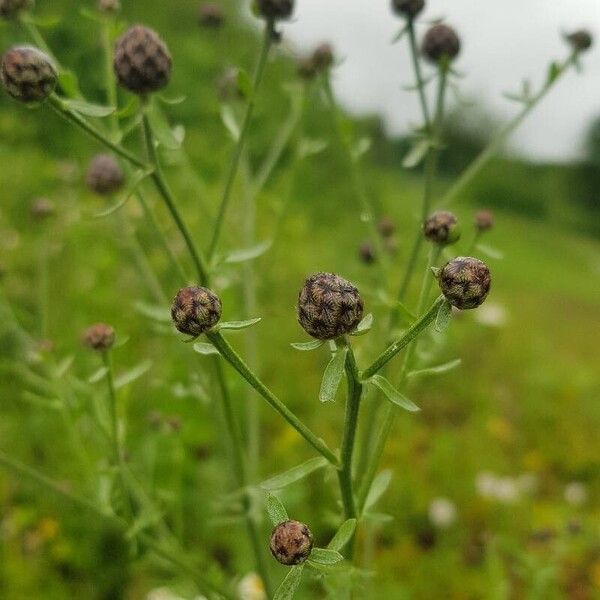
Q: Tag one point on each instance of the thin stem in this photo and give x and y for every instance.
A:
(237, 154)
(229, 354)
(473, 245)
(415, 55)
(44, 284)
(165, 192)
(30, 28)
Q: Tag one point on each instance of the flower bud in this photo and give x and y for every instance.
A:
(28, 74)
(484, 220)
(329, 306)
(228, 88)
(408, 8)
(581, 40)
(109, 6)
(306, 69)
(323, 57)
(441, 43)
(9, 9)
(104, 175)
(100, 337)
(442, 228)
(274, 9)
(142, 61)
(195, 310)
(386, 227)
(291, 543)
(465, 282)
(42, 209)
(367, 253)
(211, 15)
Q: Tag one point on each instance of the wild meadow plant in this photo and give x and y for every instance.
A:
(330, 309)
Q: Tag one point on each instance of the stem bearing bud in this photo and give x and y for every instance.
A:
(442, 228)
(441, 43)
(99, 337)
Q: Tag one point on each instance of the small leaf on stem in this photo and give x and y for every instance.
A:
(439, 370)
(364, 326)
(88, 109)
(378, 488)
(307, 346)
(416, 154)
(245, 254)
(205, 348)
(489, 251)
(133, 374)
(237, 325)
(443, 317)
(392, 394)
(230, 122)
(294, 474)
(289, 585)
(325, 556)
(343, 536)
(276, 510)
(333, 375)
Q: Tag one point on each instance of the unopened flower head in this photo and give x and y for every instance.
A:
(28, 74)
(484, 220)
(9, 9)
(274, 9)
(329, 306)
(211, 14)
(465, 282)
(99, 337)
(408, 8)
(441, 43)
(109, 6)
(195, 310)
(386, 227)
(442, 228)
(104, 175)
(42, 209)
(367, 253)
(581, 40)
(291, 543)
(142, 61)
(323, 57)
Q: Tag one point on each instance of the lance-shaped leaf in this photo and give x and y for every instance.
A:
(294, 474)
(88, 109)
(276, 510)
(307, 346)
(343, 536)
(325, 556)
(439, 370)
(230, 122)
(333, 376)
(289, 586)
(443, 317)
(392, 394)
(237, 325)
(490, 252)
(97, 375)
(133, 374)
(245, 254)
(136, 179)
(378, 488)
(205, 349)
(416, 154)
(364, 326)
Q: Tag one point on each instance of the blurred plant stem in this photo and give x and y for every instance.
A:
(268, 36)
(420, 80)
(44, 281)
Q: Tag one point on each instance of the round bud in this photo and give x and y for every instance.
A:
(329, 306)
(274, 9)
(211, 15)
(581, 40)
(42, 209)
(28, 74)
(306, 69)
(386, 227)
(442, 228)
(104, 175)
(100, 337)
(465, 282)
(441, 43)
(291, 543)
(142, 61)
(109, 6)
(9, 9)
(484, 220)
(323, 57)
(367, 253)
(408, 8)
(195, 310)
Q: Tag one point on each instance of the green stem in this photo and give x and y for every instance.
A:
(44, 285)
(415, 56)
(165, 192)
(229, 354)
(237, 154)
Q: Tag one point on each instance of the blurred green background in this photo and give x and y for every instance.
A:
(495, 482)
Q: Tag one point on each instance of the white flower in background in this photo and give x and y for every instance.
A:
(442, 512)
(576, 493)
(492, 315)
(251, 588)
(507, 490)
(504, 489)
(486, 484)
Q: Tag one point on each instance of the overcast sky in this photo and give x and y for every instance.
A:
(504, 42)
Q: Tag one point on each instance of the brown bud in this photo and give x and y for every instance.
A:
(442, 228)
(323, 57)
(465, 282)
(9, 9)
(408, 8)
(484, 220)
(291, 543)
(386, 227)
(581, 40)
(367, 253)
(155, 419)
(274, 9)
(195, 310)
(104, 175)
(305, 67)
(329, 306)
(28, 74)
(211, 15)
(228, 88)
(109, 6)
(42, 209)
(100, 337)
(441, 43)
(142, 61)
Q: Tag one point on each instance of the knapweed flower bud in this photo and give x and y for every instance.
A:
(484, 220)
(306, 69)
(465, 282)
(367, 253)
(42, 209)
(100, 337)
(274, 9)
(291, 543)
(581, 40)
(195, 310)
(442, 228)
(28, 74)
(142, 61)
(109, 6)
(323, 57)
(329, 306)
(9, 9)
(408, 8)
(211, 15)
(441, 43)
(386, 227)
(104, 175)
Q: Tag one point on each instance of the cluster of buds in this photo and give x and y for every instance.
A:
(195, 310)
(408, 8)
(104, 175)
(291, 543)
(142, 62)
(441, 228)
(9, 9)
(465, 282)
(274, 9)
(329, 306)
(320, 61)
(211, 15)
(440, 44)
(28, 74)
(99, 337)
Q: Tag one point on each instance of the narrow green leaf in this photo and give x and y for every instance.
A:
(135, 181)
(361, 148)
(307, 346)
(205, 348)
(553, 72)
(133, 374)
(153, 311)
(290, 584)
(229, 120)
(276, 510)
(238, 256)
(294, 474)
(171, 101)
(364, 326)
(399, 35)
(244, 84)
(439, 370)
(343, 536)
(490, 252)
(416, 154)
(325, 556)
(443, 317)
(310, 147)
(166, 136)
(333, 376)
(63, 366)
(97, 375)
(237, 325)
(392, 394)
(88, 109)
(378, 488)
